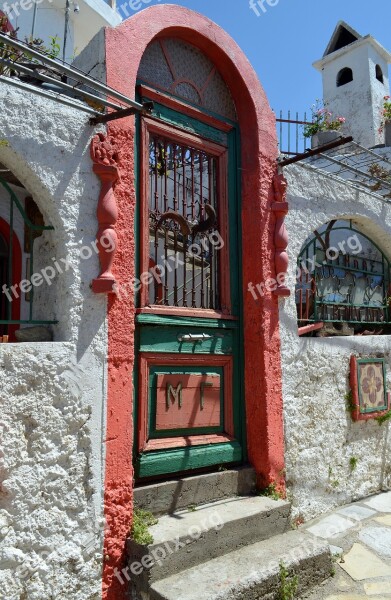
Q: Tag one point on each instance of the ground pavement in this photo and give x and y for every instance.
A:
(360, 539)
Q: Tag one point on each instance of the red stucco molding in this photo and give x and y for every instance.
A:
(104, 157)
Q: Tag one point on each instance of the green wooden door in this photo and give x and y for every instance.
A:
(188, 381)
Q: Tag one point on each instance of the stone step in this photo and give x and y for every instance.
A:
(186, 538)
(252, 572)
(167, 497)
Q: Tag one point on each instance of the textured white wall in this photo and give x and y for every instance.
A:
(320, 436)
(52, 395)
(361, 100)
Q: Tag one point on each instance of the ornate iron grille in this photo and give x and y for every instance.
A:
(183, 213)
(342, 276)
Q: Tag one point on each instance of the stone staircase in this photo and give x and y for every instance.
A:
(216, 540)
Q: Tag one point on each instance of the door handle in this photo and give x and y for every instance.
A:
(194, 337)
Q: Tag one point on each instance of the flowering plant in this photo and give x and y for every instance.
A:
(385, 113)
(322, 120)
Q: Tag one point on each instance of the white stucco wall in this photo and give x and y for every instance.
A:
(52, 394)
(320, 435)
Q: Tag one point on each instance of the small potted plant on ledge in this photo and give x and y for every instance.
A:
(385, 124)
(325, 127)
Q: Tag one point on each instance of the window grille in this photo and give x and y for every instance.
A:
(183, 212)
(342, 276)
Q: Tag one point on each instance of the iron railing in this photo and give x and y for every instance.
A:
(291, 140)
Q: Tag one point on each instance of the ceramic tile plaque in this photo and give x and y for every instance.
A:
(370, 398)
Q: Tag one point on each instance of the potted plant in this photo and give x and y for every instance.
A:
(23, 57)
(385, 124)
(325, 127)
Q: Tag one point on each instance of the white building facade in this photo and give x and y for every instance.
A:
(76, 22)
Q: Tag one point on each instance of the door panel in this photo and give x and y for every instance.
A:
(189, 400)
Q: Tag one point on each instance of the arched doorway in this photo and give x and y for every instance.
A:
(190, 401)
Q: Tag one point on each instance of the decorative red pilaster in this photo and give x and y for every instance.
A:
(280, 208)
(103, 154)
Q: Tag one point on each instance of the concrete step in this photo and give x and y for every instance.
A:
(186, 539)
(252, 572)
(166, 497)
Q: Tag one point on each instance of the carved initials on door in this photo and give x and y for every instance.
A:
(175, 393)
(187, 401)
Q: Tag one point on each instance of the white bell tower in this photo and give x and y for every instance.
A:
(355, 80)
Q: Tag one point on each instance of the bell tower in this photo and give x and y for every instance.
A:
(355, 80)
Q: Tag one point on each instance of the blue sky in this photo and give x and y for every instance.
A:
(283, 42)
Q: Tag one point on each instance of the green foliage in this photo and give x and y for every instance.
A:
(192, 508)
(54, 48)
(353, 463)
(350, 406)
(334, 483)
(20, 56)
(385, 113)
(322, 120)
(142, 519)
(271, 492)
(4, 143)
(384, 418)
(288, 585)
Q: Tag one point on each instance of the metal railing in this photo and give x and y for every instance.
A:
(291, 140)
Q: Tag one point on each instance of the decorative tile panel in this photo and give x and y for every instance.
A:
(368, 384)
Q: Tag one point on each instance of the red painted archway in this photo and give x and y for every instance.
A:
(125, 46)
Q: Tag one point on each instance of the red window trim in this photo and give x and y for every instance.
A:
(16, 274)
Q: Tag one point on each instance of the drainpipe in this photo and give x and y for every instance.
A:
(34, 20)
(67, 10)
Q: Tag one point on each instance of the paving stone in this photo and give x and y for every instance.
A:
(382, 502)
(362, 564)
(356, 513)
(343, 584)
(332, 526)
(377, 538)
(378, 588)
(345, 597)
(384, 520)
(335, 550)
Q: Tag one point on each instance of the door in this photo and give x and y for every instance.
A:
(189, 401)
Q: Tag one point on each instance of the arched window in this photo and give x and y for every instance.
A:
(343, 281)
(344, 76)
(20, 224)
(379, 74)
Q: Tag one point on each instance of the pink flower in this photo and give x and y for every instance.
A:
(341, 119)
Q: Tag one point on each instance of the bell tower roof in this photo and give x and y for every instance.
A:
(344, 40)
(343, 35)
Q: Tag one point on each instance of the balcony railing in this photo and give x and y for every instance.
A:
(290, 128)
